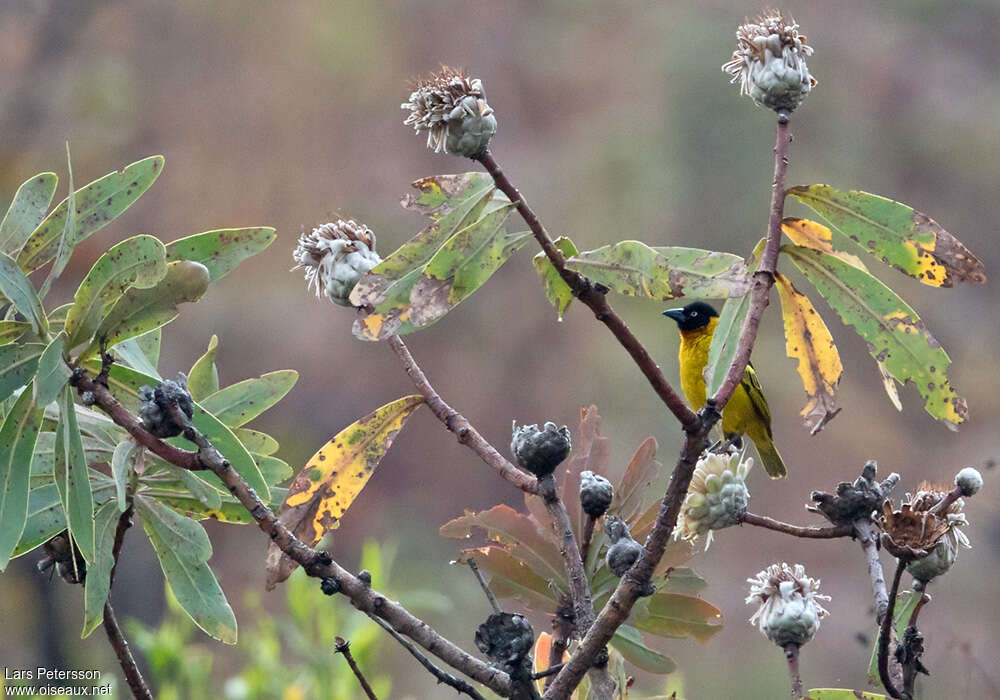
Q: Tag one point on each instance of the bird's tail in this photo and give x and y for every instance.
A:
(773, 464)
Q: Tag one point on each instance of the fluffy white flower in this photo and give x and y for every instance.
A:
(716, 498)
(335, 256)
(788, 609)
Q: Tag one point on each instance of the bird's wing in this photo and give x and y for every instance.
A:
(751, 385)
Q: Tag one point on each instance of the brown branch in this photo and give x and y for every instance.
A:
(594, 297)
(442, 676)
(819, 533)
(867, 536)
(458, 424)
(482, 584)
(116, 638)
(588, 536)
(763, 277)
(562, 632)
(315, 563)
(792, 654)
(884, 632)
(342, 646)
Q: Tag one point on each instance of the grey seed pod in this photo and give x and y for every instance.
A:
(154, 411)
(451, 107)
(471, 125)
(788, 604)
(335, 256)
(969, 481)
(540, 451)
(506, 639)
(596, 494)
(624, 551)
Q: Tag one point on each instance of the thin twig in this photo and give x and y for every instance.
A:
(441, 675)
(482, 584)
(792, 654)
(593, 297)
(136, 683)
(867, 536)
(342, 646)
(550, 671)
(315, 563)
(588, 536)
(820, 533)
(883, 635)
(458, 424)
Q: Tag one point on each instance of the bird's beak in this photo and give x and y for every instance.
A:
(676, 314)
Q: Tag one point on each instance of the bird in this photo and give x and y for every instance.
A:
(746, 413)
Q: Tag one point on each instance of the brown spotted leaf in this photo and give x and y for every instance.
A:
(333, 478)
(808, 340)
(810, 234)
(636, 269)
(896, 234)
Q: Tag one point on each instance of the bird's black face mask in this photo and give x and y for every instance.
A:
(692, 317)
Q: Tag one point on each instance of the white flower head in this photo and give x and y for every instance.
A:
(717, 496)
(452, 109)
(788, 609)
(335, 256)
(770, 62)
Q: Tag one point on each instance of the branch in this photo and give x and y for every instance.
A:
(883, 635)
(457, 423)
(115, 636)
(594, 297)
(819, 533)
(792, 654)
(315, 563)
(342, 646)
(867, 536)
(562, 631)
(763, 277)
(482, 584)
(442, 676)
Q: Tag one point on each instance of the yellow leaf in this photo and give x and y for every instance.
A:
(333, 478)
(808, 340)
(810, 234)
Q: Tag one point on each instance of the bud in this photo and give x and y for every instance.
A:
(506, 639)
(540, 451)
(452, 109)
(769, 62)
(624, 551)
(716, 498)
(596, 493)
(335, 256)
(969, 481)
(155, 411)
(789, 611)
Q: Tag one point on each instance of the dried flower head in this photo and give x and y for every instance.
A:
(769, 62)
(624, 551)
(540, 450)
(452, 109)
(788, 609)
(335, 256)
(717, 496)
(855, 501)
(931, 537)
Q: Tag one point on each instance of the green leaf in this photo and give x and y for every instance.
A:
(895, 335)
(131, 352)
(256, 441)
(46, 517)
(724, 342)
(200, 488)
(141, 310)
(16, 287)
(18, 364)
(842, 694)
(98, 582)
(125, 383)
(43, 460)
(556, 290)
(662, 273)
(135, 262)
(72, 477)
(676, 615)
(31, 201)
(683, 580)
(203, 379)
(121, 463)
(229, 510)
(905, 604)
(53, 373)
(67, 240)
(240, 403)
(274, 470)
(17, 444)
(183, 549)
(221, 251)
(628, 641)
(97, 204)
(12, 330)
(511, 578)
(896, 234)
(463, 264)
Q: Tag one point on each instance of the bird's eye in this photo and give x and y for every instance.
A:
(693, 314)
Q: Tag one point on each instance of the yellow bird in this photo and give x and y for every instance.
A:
(747, 412)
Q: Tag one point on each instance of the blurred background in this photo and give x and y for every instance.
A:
(616, 122)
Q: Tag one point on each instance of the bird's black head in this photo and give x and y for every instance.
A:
(693, 316)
